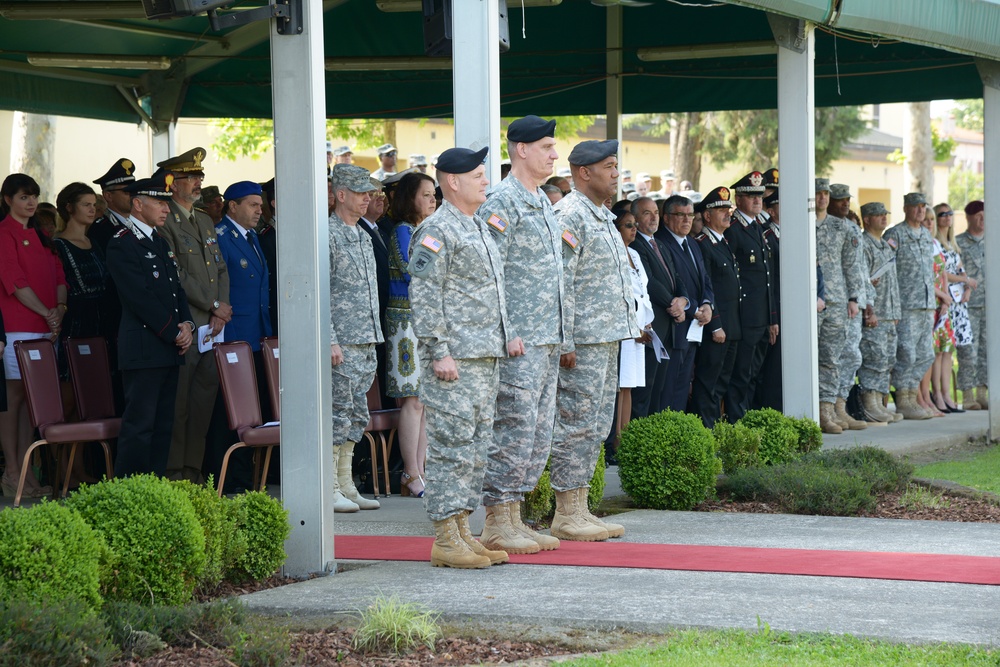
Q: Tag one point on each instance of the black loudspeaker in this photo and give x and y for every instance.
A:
(437, 27)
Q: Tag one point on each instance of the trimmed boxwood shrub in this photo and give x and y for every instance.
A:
(262, 523)
(154, 532)
(810, 434)
(667, 461)
(218, 524)
(738, 446)
(49, 552)
(779, 441)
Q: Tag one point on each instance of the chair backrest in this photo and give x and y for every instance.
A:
(91, 375)
(374, 396)
(238, 383)
(269, 348)
(37, 361)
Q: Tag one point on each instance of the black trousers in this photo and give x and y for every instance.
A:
(677, 386)
(768, 393)
(713, 370)
(646, 400)
(148, 420)
(750, 353)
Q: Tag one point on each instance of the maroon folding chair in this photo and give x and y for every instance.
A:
(269, 348)
(238, 383)
(37, 362)
(381, 421)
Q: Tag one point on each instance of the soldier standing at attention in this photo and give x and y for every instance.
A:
(972, 358)
(878, 337)
(191, 237)
(354, 326)
(837, 255)
(915, 345)
(599, 314)
(460, 320)
(527, 235)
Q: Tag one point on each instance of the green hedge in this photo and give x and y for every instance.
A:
(779, 437)
(262, 525)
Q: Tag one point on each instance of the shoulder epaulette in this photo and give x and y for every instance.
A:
(220, 228)
(120, 233)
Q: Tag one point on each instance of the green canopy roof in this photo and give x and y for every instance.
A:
(557, 68)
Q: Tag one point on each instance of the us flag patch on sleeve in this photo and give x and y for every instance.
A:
(569, 239)
(431, 243)
(497, 223)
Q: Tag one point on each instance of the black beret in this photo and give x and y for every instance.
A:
(461, 160)
(530, 128)
(589, 152)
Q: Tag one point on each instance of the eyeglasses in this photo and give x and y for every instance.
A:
(689, 216)
(189, 178)
(943, 214)
(628, 225)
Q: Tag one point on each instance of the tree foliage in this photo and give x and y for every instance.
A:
(253, 137)
(964, 185)
(968, 114)
(943, 147)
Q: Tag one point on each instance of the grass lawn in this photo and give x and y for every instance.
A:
(981, 472)
(765, 648)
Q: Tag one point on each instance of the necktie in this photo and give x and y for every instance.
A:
(255, 244)
(656, 250)
(687, 252)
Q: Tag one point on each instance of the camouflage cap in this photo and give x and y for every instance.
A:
(914, 199)
(210, 192)
(840, 191)
(352, 177)
(822, 185)
(873, 208)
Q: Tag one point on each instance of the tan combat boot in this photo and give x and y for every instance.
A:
(544, 542)
(345, 478)
(896, 416)
(614, 529)
(969, 401)
(873, 409)
(983, 397)
(450, 550)
(840, 408)
(500, 533)
(826, 421)
(907, 405)
(340, 501)
(496, 557)
(570, 523)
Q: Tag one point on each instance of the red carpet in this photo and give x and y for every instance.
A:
(811, 562)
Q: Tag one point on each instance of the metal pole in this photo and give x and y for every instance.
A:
(797, 166)
(162, 144)
(613, 85)
(476, 78)
(299, 90)
(989, 70)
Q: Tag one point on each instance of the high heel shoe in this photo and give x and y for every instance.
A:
(9, 489)
(405, 481)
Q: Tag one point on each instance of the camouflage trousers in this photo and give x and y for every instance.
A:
(850, 355)
(459, 434)
(972, 358)
(914, 347)
(351, 381)
(522, 432)
(585, 405)
(878, 354)
(831, 325)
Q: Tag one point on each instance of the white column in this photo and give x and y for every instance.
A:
(476, 78)
(613, 87)
(307, 470)
(797, 166)
(989, 70)
(162, 144)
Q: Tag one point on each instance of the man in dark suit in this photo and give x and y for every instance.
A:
(669, 298)
(267, 234)
(768, 393)
(717, 352)
(678, 216)
(156, 328)
(758, 310)
(380, 246)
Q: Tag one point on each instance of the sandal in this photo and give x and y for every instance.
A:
(405, 481)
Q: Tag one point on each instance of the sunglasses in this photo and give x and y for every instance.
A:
(943, 214)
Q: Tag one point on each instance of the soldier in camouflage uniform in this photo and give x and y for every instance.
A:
(878, 337)
(850, 354)
(460, 320)
(599, 314)
(354, 326)
(836, 252)
(972, 358)
(915, 265)
(528, 237)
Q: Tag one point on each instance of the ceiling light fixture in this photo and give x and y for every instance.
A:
(408, 64)
(702, 51)
(91, 61)
(417, 5)
(29, 11)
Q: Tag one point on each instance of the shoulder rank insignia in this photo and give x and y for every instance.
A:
(569, 239)
(497, 223)
(121, 232)
(221, 228)
(170, 254)
(431, 243)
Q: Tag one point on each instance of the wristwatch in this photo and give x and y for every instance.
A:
(215, 305)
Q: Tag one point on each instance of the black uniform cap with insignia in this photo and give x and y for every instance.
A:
(530, 129)
(771, 200)
(593, 151)
(186, 163)
(717, 198)
(156, 186)
(771, 178)
(461, 160)
(121, 172)
(751, 184)
(268, 189)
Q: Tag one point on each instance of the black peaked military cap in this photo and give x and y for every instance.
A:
(530, 128)
(156, 186)
(122, 171)
(771, 178)
(720, 196)
(590, 152)
(461, 160)
(751, 184)
(771, 200)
